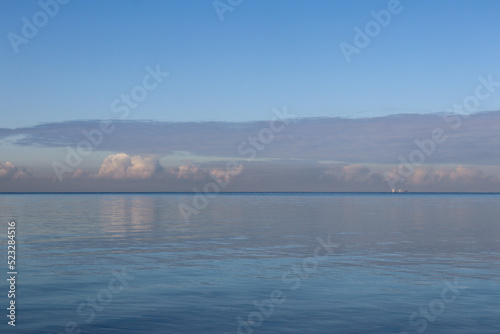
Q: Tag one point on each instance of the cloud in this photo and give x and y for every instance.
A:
(355, 173)
(423, 178)
(470, 140)
(123, 166)
(428, 175)
(80, 173)
(193, 172)
(188, 171)
(225, 175)
(123, 172)
(9, 171)
(330, 154)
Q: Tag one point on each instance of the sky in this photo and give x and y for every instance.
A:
(252, 95)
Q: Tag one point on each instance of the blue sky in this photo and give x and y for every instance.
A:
(263, 55)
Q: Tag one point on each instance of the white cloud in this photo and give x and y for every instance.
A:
(123, 166)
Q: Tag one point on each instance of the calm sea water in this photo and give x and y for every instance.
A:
(254, 263)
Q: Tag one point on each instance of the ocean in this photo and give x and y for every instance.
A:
(253, 263)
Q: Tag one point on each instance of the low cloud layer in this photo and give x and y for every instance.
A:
(444, 153)
(468, 139)
(122, 172)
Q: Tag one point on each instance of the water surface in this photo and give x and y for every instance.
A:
(390, 259)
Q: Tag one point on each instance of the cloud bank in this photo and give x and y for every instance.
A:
(471, 139)
(308, 155)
